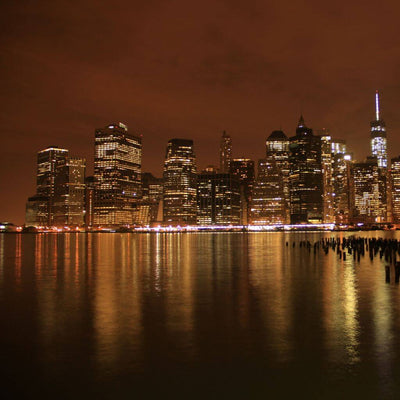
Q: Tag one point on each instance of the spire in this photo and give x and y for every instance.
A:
(301, 122)
(377, 105)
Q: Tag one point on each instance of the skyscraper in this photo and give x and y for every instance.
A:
(369, 192)
(326, 162)
(69, 192)
(305, 179)
(268, 204)
(152, 195)
(225, 153)
(342, 183)
(117, 173)
(277, 147)
(243, 170)
(218, 199)
(378, 136)
(39, 208)
(395, 186)
(180, 203)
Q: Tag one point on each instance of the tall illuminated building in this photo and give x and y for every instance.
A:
(117, 173)
(39, 208)
(378, 136)
(89, 201)
(369, 192)
(306, 178)
(395, 188)
(243, 170)
(277, 147)
(342, 182)
(326, 162)
(152, 195)
(69, 192)
(218, 199)
(180, 193)
(268, 204)
(225, 153)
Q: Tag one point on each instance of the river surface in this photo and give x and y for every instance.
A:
(196, 315)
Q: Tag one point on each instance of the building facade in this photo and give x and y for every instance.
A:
(69, 192)
(243, 170)
(225, 153)
(40, 208)
(117, 173)
(395, 188)
(180, 187)
(369, 192)
(218, 199)
(268, 202)
(306, 177)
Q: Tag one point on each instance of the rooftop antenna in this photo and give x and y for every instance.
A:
(377, 105)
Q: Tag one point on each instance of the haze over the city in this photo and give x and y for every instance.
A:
(175, 69)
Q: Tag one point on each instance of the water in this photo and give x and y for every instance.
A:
(207, 315)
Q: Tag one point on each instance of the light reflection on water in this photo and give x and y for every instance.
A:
(233, 313)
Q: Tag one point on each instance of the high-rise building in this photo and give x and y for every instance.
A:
(180, 203)
(395, 188)
(117, 172)
(218, 199)
(277, 147)
(69, 192)
(243, 170)
(89, 201)
(268, 203)
(342, 183)
(225, 153)
(152, 195)
(305, 179)
(378, 136)
(326, 162)
(39, 208)
(369, 192)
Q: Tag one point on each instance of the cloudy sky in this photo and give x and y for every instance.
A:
(189, 69)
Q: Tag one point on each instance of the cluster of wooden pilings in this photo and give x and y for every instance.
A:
(386, 249)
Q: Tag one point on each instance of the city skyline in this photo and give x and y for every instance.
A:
(119, 126)
(177, 70)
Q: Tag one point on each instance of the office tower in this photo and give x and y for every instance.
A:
(378, 136)
(338, 146)
(69, 192)
(243, 170)
(395, 188)
(37, 211)
(218, 199)
(225, 153)
(305, 179)
(152, 195)
(277, 146)
(89, 201)
(268, 204)
(39, 208)
(326, 163)
(180, 203)
(369, 192)
(117, 173)
(342, 183)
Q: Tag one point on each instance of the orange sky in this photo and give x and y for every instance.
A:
(189, 69)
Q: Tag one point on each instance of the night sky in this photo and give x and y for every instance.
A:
(189, 69)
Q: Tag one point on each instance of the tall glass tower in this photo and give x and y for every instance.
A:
(117, 172)
(378, 136)
(225, 153)
(180, 201)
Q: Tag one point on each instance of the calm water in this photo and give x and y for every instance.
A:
(226, 315)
